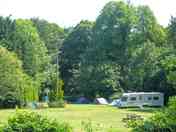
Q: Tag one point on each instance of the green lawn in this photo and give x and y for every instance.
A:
(106, 116)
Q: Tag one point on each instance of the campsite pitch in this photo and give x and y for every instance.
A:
(100, 115)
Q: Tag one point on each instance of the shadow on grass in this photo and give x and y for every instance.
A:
(145, 109)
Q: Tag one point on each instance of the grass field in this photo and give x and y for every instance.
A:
(106, 116)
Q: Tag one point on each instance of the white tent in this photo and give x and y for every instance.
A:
(102, 101)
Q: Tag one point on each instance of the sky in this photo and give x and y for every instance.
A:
(70, 12)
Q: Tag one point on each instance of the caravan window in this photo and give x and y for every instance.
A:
(149, 98)
(133, 98)
(155, 98)
(123, 99)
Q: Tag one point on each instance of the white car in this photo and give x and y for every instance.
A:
(115, 102)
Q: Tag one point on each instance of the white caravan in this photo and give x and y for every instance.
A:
(141, 99)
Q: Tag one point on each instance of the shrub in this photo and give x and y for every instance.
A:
(162, 121)
(87, 126)
(57, 104)
(31, 122)
(10, 100)
(1, 101)
(172, 103)
(131, 120)
(42, 105)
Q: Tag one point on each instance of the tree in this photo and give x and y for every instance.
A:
(168, 66)
(73, 47)
(13, 79)
(112, 33)
(144, 65)
(147, 42)
(50, 33)
(101, 80)
(146, 28)
(29, 48)
(171, 36)
(54, 83)
(7, 28)
(112, 30)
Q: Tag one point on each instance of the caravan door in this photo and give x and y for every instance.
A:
(148, 99)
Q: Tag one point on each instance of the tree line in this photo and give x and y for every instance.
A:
(26, 61)
(124, 50)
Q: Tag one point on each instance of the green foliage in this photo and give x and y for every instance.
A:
(10, 100)
(172, 32)
(112, 30)
(172, 103)
(57, 104)
(24, 121)
(146, 28)
(124, 37)
(73, 48)
(125, 49)
(56, 91)
(116, 95)
(143, 65)
(13, 79)
(50, 33)
(168, 63)
(87, 126)
(53, 83)
(131, 120)
(160, 121)
(103, 65)
(101, 80)
(27, 44)
(7, 28)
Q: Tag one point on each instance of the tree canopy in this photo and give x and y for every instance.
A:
(13, 78)
(124, 49)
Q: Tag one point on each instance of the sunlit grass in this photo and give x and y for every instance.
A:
(104, 116)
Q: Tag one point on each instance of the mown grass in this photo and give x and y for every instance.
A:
(103, 116)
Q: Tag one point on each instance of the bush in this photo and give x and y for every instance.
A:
(172, 103)
(32, 122)
(57, 104)
(131, 120)
(1, 101)
(10, 101)
(88, 126)
(163, 121)
(42, 105)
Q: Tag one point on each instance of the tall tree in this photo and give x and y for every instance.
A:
(73, 47)
(29, 48)
(112, 30)
(101, 80)
(147, 41)
(13, 79)
(50, 33)
(171, 38)
(147, 28)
